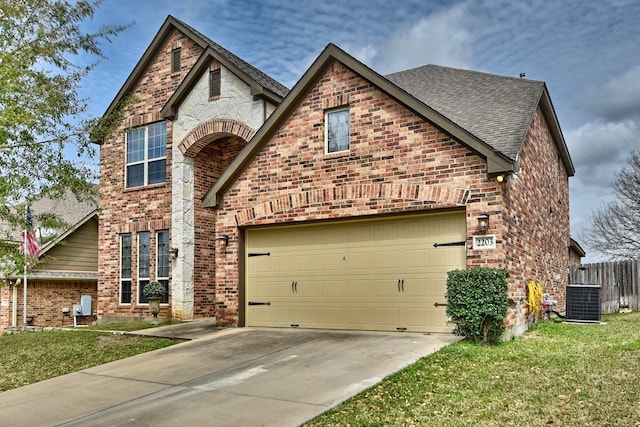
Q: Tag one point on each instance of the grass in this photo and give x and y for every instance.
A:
(33, 357)
(559, 374)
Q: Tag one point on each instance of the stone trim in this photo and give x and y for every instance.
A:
(435, 194)
(200, 136)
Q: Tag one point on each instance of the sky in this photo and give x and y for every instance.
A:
(586, 51)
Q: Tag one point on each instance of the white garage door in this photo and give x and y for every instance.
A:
(383, 274)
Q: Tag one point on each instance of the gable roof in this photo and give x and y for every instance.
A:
(496, 109)
(51, 274)
(211, 48)
(67, 208)
(476, 138)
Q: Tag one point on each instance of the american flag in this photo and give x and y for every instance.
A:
(29, 244)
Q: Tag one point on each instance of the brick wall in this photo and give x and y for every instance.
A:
(143, 208)
(45, 301)
(537, 221)
(209, 164)
(397, 163)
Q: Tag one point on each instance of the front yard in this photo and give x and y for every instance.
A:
(37, 356)
(558, 374)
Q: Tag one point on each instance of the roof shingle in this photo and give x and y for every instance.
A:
(496, 109)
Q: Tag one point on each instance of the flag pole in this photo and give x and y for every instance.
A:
(24, 296)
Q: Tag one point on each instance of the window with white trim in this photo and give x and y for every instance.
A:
(144, 263)
(125, 268)
(146, 155)
(162, 262)
(336, 125)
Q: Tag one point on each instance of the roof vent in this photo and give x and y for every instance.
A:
(523, 75)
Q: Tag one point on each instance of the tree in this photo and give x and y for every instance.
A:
(615, 229)
(41, 113)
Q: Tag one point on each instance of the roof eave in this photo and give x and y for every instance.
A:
(554, 126)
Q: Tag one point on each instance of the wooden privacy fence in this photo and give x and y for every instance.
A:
(619, 281)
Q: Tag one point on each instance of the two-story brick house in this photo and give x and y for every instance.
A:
(346, 208)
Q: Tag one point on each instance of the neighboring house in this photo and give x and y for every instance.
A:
(345, 209)
(576, 253)
(67, 269)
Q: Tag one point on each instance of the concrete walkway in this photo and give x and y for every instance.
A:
(229, 377)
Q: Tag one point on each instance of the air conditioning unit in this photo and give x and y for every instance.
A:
(583, 303)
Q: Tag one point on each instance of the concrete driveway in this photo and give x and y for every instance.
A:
(234, 377)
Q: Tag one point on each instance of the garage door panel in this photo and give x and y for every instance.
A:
(358, 288)
(353, 262)
(386, 288)
(306, 288)
(332, 289)
(359, 318)
(329, 317)
(385, 316)
(372, 275)
(330, 263)
(386, 259)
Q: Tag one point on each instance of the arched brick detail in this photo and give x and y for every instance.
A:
(200, 136)
(433, 194)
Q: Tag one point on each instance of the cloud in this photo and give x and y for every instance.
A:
(439, 38)
(617, 99)
(599, 150)
(602, 144)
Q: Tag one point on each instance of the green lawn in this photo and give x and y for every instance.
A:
(557, 374)
(37, 356)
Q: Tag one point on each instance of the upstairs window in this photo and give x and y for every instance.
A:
(336, 125)
(175, 60)
(214, 83)
(146, 155)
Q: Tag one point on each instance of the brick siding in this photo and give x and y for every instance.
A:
(45, 301)
(142, 208)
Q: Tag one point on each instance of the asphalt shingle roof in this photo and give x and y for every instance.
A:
(496, 109)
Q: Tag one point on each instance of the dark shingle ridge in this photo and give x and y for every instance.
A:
(496, 109)
(259, 76)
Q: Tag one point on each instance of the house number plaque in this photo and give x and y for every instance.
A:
(484, 242)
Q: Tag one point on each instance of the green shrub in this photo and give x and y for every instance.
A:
(477, 302)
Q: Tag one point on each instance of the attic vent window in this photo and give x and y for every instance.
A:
(175, 60)
(214, 84)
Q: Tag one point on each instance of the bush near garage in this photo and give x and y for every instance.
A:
(477, 302)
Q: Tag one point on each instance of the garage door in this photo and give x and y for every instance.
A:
(383, 274)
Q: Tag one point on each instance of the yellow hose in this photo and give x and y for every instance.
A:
(535, 290)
